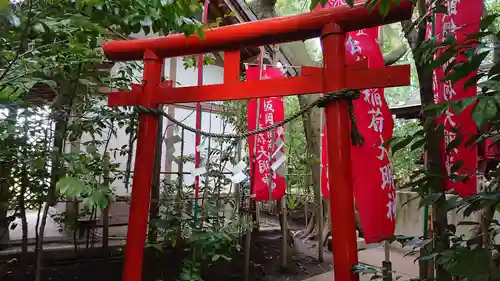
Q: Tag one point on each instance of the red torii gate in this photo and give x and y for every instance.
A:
(329, 24)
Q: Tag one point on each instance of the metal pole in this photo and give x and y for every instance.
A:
(237, 186)
(171, 112)
(271, 172)
(198, 121)
(386, 264)
(105, 211)
(319, 199)
(257, 125)
(284, 227)
(143, 175)
(339, 157)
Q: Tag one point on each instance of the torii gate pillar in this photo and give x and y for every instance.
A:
(344, 243)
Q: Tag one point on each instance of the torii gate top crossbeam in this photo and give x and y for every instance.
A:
(258, 33)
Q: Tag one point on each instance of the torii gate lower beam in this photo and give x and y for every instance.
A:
(331, 24)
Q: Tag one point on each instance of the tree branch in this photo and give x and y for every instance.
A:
(24, 35)
(398, 47)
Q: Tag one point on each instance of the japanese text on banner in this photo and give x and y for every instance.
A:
(374, 189)
(462, 18)
(267, 169)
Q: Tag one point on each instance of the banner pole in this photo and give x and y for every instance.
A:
(199, 113)
(319, 199)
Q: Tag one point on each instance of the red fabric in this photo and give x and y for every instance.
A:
(491, 151)
(374, 189)
(463, 18)
(271, 110)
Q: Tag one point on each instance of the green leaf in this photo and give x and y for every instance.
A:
(487, 21)
(429, 199)
(99, 199)
(473, 80)
(4, 5)
(70, 186)
(88, 203)
(200, 32)
(472, 264)
(471, 141)
(384, 7)
(484, 110)
(477, 59)
(466, 102)
(456, 166)
(91, 149)
(440, 9)
(479, 35)
(401, 144)
(86, 82)
(490, 85)
(94, 2)
(442, 59)
(495, 69)
(419, 143)
(313, 4)
(156, 246)
(458, 73)
(371, 4)
(454, 143)
(490, 109)
(428, 257)
(437, 108)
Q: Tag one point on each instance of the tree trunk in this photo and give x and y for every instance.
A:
(416, 37)
(61, 110)
(39, 243)
(324, 228)
(310, 226)
(489, 212)
(398, 47)
(4, 206)
(312, 129)
(316, 228)
(264, 9)
(61, 125)
(6, 180)
(154, 204)
(22, 204)
(284, 221)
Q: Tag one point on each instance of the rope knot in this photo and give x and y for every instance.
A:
(142, 109)
(342, 94)
(349, 95)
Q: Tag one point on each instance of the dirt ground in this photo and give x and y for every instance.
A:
(265, 265)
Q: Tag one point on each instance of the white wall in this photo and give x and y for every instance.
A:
(210, 122)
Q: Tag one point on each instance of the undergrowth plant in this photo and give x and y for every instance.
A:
(208, 233)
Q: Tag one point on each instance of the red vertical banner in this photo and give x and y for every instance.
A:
(463, 18)
(267, 165)
(374, 189)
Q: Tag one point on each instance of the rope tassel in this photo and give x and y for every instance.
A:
(349, 95)
(356, 136)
